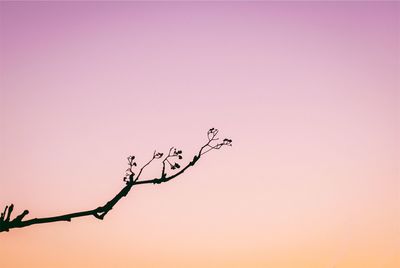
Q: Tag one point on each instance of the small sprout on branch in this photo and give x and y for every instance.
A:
(212, 133)
(157, 155)
(227, 142)
(173, 152)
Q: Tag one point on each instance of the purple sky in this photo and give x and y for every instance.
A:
(308, 92)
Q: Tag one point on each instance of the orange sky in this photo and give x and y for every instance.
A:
(307, 91)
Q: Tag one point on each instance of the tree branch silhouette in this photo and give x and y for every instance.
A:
(6, 223)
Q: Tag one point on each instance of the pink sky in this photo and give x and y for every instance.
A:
(309, 92)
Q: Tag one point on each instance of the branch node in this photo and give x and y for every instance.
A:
(19, 218)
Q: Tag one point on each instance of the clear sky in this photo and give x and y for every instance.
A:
(309, 93)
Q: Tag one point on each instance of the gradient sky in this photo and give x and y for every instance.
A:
(309, 93)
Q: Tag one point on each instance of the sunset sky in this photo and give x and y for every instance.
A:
(308, 91)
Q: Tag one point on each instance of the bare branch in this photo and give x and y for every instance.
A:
(155, 156)
(99, 213)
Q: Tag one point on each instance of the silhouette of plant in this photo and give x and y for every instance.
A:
(169, 162)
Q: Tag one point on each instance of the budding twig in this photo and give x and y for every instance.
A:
(100, 212)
